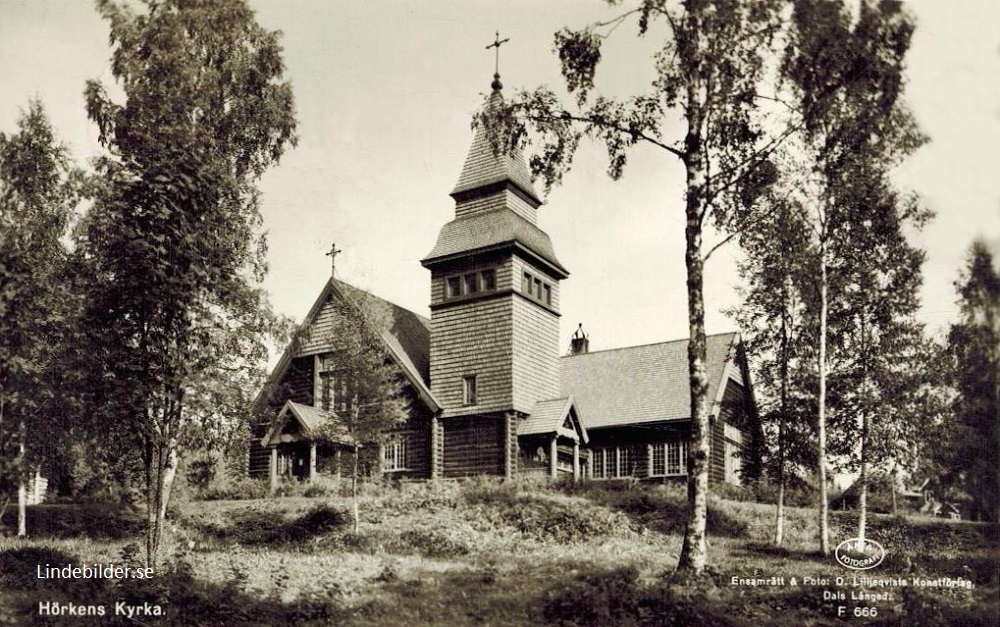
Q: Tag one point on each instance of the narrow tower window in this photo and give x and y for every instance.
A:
(489, 280)
(469, 390)
(471, 284)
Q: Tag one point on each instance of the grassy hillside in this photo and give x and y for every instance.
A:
(483, 553)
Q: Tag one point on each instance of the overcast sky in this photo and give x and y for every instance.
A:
(385, 92)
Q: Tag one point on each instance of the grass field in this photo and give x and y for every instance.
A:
(482, 553)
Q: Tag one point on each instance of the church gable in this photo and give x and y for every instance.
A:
(406, 336)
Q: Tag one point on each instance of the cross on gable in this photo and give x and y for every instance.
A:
(334, 251)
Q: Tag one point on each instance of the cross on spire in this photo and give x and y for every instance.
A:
(497, 42)
(334, 251)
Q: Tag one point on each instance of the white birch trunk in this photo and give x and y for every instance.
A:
(824, 505)
(22, 488)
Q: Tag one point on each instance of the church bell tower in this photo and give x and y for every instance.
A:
(494, 312)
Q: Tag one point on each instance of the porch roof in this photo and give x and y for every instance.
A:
(550, 415)
(313, 421)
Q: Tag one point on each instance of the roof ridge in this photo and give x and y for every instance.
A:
(384, 300)
(622, 348)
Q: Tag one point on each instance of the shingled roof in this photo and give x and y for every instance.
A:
(549, 416)
(483, 167)
(490, 230)
(312, 422)
(408, 333)
(640, 384)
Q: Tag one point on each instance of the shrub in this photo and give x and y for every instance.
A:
(257, 527)
(320, 520)
(603, 598)
(729, 492)
(230, 489)
(92, 520)
(432, 543)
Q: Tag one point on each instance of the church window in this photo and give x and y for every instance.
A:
(536, 289)
(668, 458)
(470, 283)
(613, 462)
(489, 280)
(469, 390)
(394, 454)
(336, 392)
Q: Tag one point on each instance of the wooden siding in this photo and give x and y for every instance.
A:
(511, 451)
(535, 363)
(472, 339)
(735, 410)
(297, 386)
(717, 447)
(503, 198)
(639, 440)
(473, 445)
(320, 336)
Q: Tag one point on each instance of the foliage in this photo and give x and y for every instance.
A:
(974, 347)
(370, 401)
(362, 387)
(230, 489)
(99, 521)
(776, 261)
(173, 241)
(38, 191)
(708, 70)
(844, 74)
(548, 519)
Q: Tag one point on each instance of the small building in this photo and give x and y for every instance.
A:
(488, 391)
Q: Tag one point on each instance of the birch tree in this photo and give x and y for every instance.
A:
(364, 388)
(38, 192)
(881, 333)
(174, 237)
(846, 74)
(771, 317)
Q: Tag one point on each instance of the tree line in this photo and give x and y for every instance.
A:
(134, 324)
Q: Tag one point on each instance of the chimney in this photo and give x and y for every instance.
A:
(579, 344)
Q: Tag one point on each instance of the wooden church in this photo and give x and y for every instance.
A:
(488, 392)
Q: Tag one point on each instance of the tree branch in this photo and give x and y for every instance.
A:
(724, 241)
(613, 23)
(604, 123)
